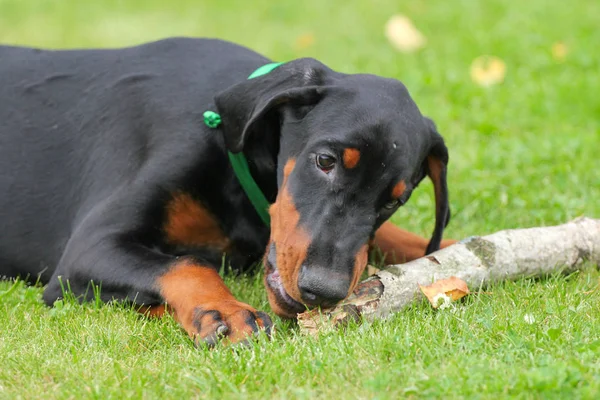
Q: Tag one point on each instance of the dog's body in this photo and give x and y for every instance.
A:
(109, 174)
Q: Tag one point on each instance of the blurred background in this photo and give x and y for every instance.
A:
(512, 85)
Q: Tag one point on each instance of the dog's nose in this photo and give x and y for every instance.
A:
(321, 287)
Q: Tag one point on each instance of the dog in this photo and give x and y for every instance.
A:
(111, 174)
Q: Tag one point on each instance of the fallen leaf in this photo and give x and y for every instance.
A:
(452, 288)
(403, 35)
(305, 40)
(371, 270)
(488, 70)
(559, 51)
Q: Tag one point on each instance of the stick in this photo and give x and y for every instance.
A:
(505, 255)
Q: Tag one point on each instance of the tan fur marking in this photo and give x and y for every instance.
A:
(399, 245)
(287, 169)
(351, 157)
(275, 306)
(153, 311)
(435, 172)
(360, 263)
(291, 240)
(398, 189)
(190, 224)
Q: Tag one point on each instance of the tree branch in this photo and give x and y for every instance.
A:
(505, 255)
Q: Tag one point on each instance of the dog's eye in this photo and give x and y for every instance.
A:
(325, 162)
(390, 205)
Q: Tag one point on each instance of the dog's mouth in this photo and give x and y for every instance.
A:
(285, 305)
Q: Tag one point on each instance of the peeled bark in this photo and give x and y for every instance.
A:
(478, 260)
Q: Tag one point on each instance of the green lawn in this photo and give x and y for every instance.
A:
(523, 153)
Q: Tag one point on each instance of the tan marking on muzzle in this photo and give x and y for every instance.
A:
(291, 240)
(360, 263)
(276, 307)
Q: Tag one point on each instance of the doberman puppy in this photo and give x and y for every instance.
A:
(109, 174)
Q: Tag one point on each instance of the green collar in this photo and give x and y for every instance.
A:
(239, 162)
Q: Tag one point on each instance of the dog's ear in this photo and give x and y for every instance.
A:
(248, 107)
(436, 165)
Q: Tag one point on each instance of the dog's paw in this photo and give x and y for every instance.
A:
(230, 322)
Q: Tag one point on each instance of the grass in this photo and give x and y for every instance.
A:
(525, 339)
(523, 153)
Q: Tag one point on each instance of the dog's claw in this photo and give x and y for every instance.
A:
(222, 330)
(232, 326)
(267, 322)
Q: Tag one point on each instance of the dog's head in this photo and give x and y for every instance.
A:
(346, 151)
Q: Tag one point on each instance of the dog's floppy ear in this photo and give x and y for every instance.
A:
(436, 165)
(245, 107)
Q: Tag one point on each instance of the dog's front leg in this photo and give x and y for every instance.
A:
(205, 307)
(110, 248)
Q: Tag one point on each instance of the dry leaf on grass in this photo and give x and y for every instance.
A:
(403, 35)
(305, 41)
(488, 70)
(559, 51)
(450, 289)
(371, 270)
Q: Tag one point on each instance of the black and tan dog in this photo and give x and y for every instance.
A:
(108, 173)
